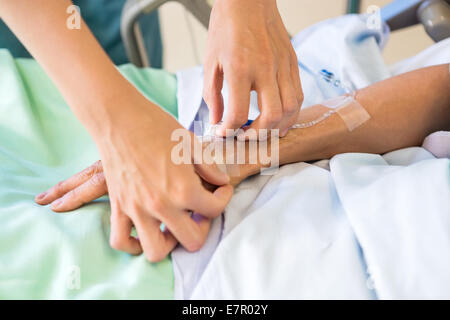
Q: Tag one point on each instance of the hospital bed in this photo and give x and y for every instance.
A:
(433, 14)
(66, 256)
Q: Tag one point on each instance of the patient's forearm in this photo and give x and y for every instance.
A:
(403, 109)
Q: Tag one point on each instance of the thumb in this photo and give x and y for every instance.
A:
(211, 205)
(212, 93)
(205, 167)
(212, 174)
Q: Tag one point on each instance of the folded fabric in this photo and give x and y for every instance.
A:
(399, 208)
(438, 53)
(438, 144)
(44, 255)
(299, 237)
(294, 242)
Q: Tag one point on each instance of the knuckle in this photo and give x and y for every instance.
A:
(241, 69)
(88, 172)
(184, 195)
(268, 63)
(97, 180)
(300, 97)
(284, 64)
(154, 255)
(273, 116)
(72, 194)
(195, 245)
(238, 118)
(115, 242)
(291, 107)
(59, 186)
(157, 205)
(267, 55)
(239, 66)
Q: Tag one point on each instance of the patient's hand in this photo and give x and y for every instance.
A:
(79, 189)
(90, 184)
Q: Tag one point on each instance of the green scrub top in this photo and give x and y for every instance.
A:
(103, 18)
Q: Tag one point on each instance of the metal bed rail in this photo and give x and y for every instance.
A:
(129, 28)
(433, 14)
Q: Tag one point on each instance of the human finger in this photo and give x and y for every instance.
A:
(289, 101)
(155, 243)
(211, 204)
(271, 110)
(90, 190)
(236, 116)
(191, 233)
(212, 92)
(61, 188)
(120, 236)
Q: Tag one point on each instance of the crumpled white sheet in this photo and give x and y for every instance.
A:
(300, 238)
(438, 143)
(398, 206)
(294, 242)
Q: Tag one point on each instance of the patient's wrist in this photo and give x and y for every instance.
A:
(320, 141)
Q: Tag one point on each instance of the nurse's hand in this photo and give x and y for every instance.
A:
(249, 46)
(132, 134)
(89, 185)
(146, 187)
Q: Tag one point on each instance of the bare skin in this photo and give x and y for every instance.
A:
(249, 46)
(145, 188)
(403, 109)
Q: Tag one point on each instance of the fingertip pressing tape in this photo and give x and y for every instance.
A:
(347, 107)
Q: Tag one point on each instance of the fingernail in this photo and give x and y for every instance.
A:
(41, 196)
(55, 204)
(284, 132)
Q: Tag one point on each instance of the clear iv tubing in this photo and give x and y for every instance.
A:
(327, 76)
(313, 122)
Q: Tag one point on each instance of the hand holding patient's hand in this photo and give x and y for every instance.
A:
(146, 188)
(249, 46)
(90, 184)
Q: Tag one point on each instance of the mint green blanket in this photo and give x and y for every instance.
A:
(44, 255)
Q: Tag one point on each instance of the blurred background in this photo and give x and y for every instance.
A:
(184, 38)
